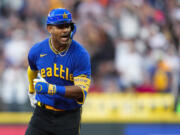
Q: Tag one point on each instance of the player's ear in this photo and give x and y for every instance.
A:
(49, 28)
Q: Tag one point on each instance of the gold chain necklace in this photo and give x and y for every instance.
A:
(59, 52)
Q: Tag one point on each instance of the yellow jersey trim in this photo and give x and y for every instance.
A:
(84, 83)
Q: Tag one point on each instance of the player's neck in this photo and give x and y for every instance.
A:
(58, 47)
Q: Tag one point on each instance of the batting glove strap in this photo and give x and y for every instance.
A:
(51, 89)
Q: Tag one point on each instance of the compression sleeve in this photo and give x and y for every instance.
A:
(31, 76)
(84, 83)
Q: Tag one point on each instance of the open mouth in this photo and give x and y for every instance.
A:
(65, 37)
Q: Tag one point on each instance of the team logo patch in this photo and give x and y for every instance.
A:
(65, 16)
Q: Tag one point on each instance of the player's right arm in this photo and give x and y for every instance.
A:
(32, 70)
(32, 74)
(31, 93)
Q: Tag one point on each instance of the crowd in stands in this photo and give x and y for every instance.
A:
(133, 44)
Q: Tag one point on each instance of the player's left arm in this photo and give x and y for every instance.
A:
(82, 79)
(79, 90)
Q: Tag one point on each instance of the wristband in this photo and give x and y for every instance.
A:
(61, 90)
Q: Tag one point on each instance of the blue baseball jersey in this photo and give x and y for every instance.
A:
(59, 70)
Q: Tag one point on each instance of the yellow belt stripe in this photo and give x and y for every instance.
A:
(49, 107)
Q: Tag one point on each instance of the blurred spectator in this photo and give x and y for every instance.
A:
(16, 48)
(156, 39)
(14, 88)
(162, 77)
(104, 53)
(91, 8)
(129, 65)
(128, 24)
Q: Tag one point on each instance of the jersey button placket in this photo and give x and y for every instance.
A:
(55, 58)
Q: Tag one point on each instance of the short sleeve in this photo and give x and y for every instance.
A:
(32, 59)
(82, 65)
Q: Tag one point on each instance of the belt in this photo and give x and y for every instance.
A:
(48, 107)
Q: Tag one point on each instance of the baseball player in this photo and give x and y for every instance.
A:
(64, 68)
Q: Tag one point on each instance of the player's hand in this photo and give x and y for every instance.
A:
(42, 87)
(32, 99)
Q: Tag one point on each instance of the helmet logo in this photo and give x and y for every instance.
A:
(65, 16)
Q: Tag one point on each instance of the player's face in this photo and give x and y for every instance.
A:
(61, 33)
